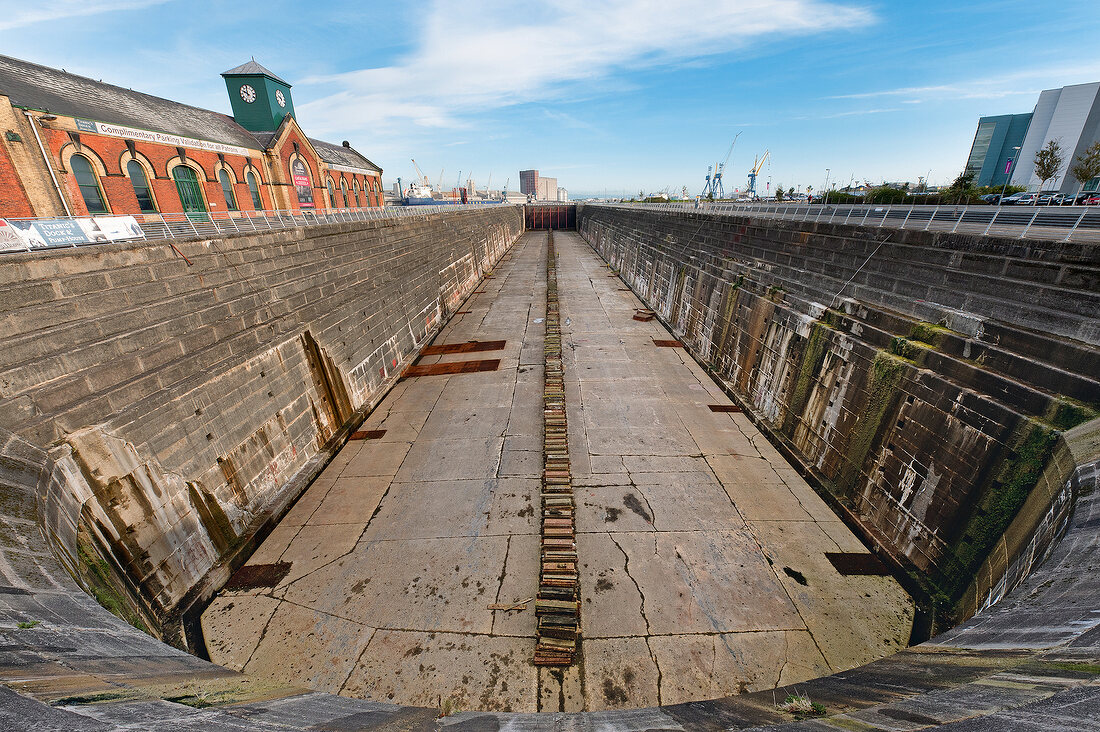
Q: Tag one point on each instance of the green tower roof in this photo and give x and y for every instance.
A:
(251, 68)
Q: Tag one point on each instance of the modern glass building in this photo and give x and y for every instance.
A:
(1070, 115)
(993, 153)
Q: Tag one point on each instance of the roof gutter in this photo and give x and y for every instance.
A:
(49, 166)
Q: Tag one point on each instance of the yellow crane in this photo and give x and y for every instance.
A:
(756, 171)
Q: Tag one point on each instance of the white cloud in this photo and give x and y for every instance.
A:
(20, 14)
(991, 87)
(471, 57)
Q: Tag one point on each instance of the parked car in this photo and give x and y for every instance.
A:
(1093, 200)
(1063, 199)
(991, 198)
(1022, 198)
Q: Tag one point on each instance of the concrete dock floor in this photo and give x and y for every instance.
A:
(702, 552)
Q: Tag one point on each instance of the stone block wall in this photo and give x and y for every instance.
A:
(923, 379)
(185, 391)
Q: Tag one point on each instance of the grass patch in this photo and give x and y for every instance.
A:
(28, 624)
(801, 707)
(1086, 668)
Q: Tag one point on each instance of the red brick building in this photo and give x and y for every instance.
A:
(72, 146)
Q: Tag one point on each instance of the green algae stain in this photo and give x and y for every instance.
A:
(98, 579)
(928, 333)
(886, 372)
(1016, 474)
(1064, 413)
(809, 368)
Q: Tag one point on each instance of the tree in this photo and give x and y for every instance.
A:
(1048, 162)
(963, 181)
(779, 192)
(1087, 165)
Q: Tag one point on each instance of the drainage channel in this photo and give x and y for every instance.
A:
(557, 606)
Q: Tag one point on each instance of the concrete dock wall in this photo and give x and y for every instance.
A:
(185, 391)
(923, 379)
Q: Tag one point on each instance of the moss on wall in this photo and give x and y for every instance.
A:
(102, 583)
(1015, 476)
(882, 389)
(809, 368)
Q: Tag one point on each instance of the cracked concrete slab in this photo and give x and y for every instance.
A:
(687, 519)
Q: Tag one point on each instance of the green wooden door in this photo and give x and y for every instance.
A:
(187, 185)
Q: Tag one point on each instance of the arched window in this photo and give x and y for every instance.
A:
(227, 189)
(331, 194)
(140, 182)
(187, 185)
(88, 182)
(254, 189)
(344, 190)
(355, 187)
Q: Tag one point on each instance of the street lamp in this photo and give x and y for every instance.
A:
(1008, 173)
(826, 201)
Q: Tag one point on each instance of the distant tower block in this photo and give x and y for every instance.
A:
(529, 182)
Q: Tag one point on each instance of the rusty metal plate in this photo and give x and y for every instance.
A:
(463, 312)
(468, 347)
(667, 344)
(455, 367)
(367, 435)
(253, 576)
(724, 408)
(857, 563)
(478, 292)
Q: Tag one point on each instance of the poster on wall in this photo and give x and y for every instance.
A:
(9, 238)
(111, 228)
(302, 184)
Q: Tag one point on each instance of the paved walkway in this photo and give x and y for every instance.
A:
(702, 552)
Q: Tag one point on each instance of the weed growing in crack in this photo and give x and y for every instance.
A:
(801, 707)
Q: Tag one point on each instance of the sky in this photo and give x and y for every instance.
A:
(612, 97)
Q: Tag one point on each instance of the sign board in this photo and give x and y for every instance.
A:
(9, 238)
(42, 233)
(162, 138)
(302, 184)
(111, 228)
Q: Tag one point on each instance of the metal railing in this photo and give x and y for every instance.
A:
(216, 223)
(1063, 223)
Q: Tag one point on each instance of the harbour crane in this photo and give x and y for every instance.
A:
(420, 173)
(717, 184)
(707, 190)
(759, 163)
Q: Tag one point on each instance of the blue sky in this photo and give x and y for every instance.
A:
(606, 96)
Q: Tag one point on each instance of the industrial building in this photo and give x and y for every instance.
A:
(993, 154)
(529, 182)
(74, 146)
(541, 188)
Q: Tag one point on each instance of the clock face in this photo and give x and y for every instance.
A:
(280, 98)
(248, 93)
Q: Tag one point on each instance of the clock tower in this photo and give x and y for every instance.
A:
(260, 99)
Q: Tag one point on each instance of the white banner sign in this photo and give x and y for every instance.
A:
(132, 133)
(111, 228)
(346, 169)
